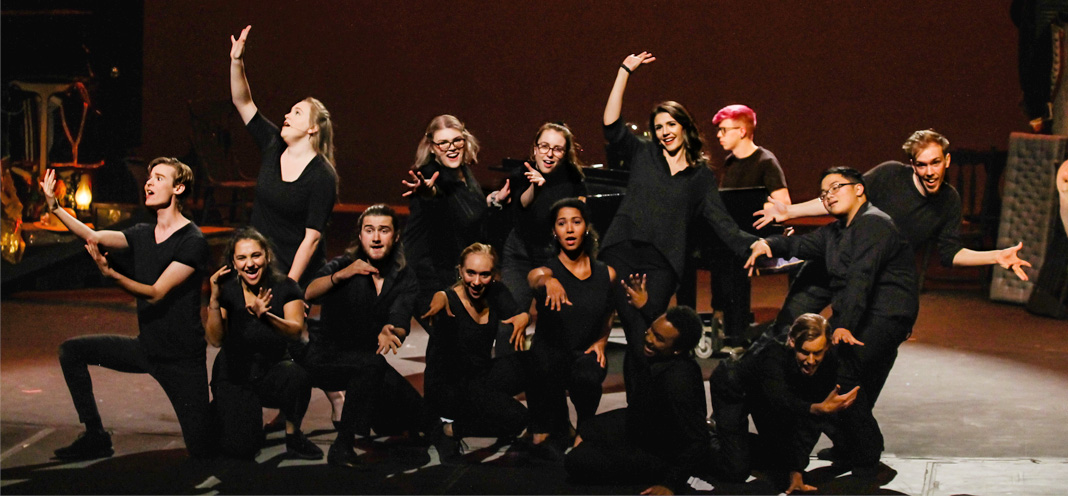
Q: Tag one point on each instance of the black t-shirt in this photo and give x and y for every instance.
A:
(576, 326)
(759, 169)
(460, 348)
(353, 312)
(532, 223)
(170, 329)
(252, 344)
(919, 217)
(283, 210)
(441, 226)
(660, 208)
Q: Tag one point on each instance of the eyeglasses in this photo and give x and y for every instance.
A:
(445, 146)
(725, 130)
(833, 190)
(545, 149)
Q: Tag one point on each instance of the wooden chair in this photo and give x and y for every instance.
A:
(210, 133)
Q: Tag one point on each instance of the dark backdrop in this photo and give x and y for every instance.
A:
(833, 83)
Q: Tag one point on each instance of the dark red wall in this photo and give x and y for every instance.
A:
(833, 82)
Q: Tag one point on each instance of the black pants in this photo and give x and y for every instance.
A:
(661, 280)
(558, 373)
(376, 395)
(239, 420)
(607, 456)
(484, 406)
(184, 381)
(809, 293)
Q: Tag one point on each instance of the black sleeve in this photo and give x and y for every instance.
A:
(687, 405)
(875, 240)
(949, 234)
(323, 197)
(264, 132)
(193, 250)
(403, 307)
(773, 386)
(774, 178)
(621, 141)
(285, 291)
(517, 183)
(807, 246)
(715, 212)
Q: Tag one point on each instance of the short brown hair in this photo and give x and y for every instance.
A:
(807, 327)
(183, 174)
(922, 139)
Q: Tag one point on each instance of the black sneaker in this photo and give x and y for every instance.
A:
(449, 451)
(89, 445)
(298, 446)
(343, 456)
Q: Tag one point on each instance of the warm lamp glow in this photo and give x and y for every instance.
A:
(83, 197)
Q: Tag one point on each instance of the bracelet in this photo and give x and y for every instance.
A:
(625, 68)
(332, 283)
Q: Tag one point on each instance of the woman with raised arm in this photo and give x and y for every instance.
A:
(669, 189)
(447, 204)
(574, 319)
(463, 382)
(253, 317)
(297, 184)
(555, 175)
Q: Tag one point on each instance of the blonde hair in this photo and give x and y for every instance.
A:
(476, 249)
(424, 153)
(322, 141)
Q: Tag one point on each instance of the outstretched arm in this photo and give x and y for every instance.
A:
(239, 90)
(555, 295)
(109, 239)
(779, 209)
(1007, 258)
(172, 276)
(615, 99)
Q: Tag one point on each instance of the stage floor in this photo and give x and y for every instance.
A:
(974, 405)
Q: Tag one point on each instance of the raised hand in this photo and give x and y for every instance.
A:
(1009, 259)
(419, 184)
(504, 195)
(843, 335)
(759, 248)
(214, 279)
(633, 61)
(555, 295)
(534, 175)
(261, 304)
(388, 340)
(48, 187)
(634, 285)
(99, 258)
(773, 211)
(237, 45)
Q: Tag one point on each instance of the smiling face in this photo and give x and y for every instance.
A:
(570, 229)
(377, 236)
(930, 167)
(448, 146)
(810, 355)
(476, 274)
(669, 132)
(660, 338)
(160, 189)
(297, 123)
(839, 195)
(250, 261)
(554, 145)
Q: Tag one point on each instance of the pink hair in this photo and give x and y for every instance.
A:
(739, 113)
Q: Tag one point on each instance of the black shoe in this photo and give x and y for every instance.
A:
(551, 450)
(343, 456)
(829, 454)
(448, 449)
(89, 445)
(298, 446)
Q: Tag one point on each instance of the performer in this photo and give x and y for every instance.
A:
(168, 267)
(875, 298)
(253, 317)
(669, 188)
(556, 174)
(575, 318)
(447, 204)
(297, 184)
(787, 389)
(660, 437)
(472, 392)
(367, 297)
(923, 207)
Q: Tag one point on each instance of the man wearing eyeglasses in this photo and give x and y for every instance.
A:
(874, 299)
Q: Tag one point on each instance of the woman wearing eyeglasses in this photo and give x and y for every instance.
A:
(447, 204)
(670, 188)
(555, 175)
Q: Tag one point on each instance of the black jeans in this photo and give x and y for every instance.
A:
(484, 406)
(560, 372)
(184, 381)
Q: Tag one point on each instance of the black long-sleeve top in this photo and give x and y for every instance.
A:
(869, 262)
(460, 348)
(439, 227)
(774, 384)
(919, 217)
(532, 223)
(353, 312)
(660, 208)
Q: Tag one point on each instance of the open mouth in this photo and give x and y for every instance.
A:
(453, 155)
(252, 273)
(570, 241)
(475, 291)
(648, 351)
